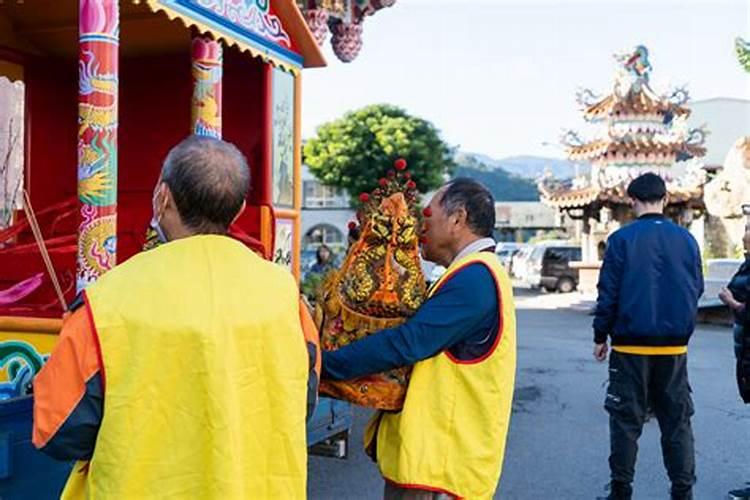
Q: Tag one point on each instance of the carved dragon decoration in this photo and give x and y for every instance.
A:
(379, 285)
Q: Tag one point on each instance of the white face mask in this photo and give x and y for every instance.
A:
(160, 234)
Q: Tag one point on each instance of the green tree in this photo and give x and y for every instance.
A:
(354, 152)
(742, 49)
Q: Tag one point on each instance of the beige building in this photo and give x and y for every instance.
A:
(518, 221)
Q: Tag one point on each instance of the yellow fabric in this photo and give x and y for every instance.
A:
(450, 435)
(650, 350)
(205, 377)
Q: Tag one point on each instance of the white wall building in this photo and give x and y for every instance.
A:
(726, 119)
(325, 214)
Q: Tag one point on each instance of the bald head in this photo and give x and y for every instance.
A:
(209, 180)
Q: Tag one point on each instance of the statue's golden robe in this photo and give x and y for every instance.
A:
(379, 285)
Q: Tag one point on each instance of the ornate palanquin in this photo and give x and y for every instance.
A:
(379, 285)
(109, 87)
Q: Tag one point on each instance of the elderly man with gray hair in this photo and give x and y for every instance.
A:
(449, 439)
(183, 372)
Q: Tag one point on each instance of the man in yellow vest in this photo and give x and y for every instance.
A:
(184, 372)
(449, 439)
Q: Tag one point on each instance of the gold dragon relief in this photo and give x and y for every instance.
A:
(96, 117)
(379, 286)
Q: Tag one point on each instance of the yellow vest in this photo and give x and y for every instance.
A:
(450, 435)
(205, 377)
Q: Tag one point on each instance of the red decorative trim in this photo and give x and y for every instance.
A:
(499, 314)
(267, 180)
(95, 335)
(422, 487)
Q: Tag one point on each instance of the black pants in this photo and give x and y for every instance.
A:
(634, 382)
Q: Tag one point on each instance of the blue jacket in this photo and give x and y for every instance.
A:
(462, 317)
(649, 285)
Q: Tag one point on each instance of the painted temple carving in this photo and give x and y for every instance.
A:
(343, 19)
(730, 189)
(635, 130)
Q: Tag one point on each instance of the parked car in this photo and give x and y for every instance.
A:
(518, 262)
(549, 267)
(506, 251)
(521, 265)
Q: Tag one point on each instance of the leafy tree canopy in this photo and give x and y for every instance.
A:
(355, 151)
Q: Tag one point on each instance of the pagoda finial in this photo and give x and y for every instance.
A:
(637, 64)
(634, 71)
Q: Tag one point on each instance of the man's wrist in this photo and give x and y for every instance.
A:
(600, 337)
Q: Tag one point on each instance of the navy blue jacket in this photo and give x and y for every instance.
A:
(462, 317)
(649, 285)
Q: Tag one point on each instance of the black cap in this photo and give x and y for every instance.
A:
(647, 187)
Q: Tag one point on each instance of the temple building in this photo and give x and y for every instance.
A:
(635, 130)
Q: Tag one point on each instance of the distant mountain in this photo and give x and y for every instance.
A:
(503, 185)
(527, 166)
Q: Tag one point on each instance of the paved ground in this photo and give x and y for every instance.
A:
(558, 442)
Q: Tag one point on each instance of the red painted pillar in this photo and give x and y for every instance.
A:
(99, 27)
(207, 76)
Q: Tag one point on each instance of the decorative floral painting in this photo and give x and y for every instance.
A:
(11, 148)
(284, 243)
(283, 138)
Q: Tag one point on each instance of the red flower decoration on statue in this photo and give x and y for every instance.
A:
(400, 164)
(364, 197)
(407, 175)
(352, 225)
(427, 212)
(383, 181)
(411, 185)
(391, 174)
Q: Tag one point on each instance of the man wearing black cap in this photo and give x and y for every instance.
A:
(649, 287)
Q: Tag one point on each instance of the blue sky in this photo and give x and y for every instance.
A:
(499, 76)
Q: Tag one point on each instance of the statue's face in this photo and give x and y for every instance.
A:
(381, 277)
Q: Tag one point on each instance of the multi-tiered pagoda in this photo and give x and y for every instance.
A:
(344, 20)
(636, 131)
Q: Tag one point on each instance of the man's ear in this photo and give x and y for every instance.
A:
(167, 199)
(162, 198)
(242, 209)
(459, 216)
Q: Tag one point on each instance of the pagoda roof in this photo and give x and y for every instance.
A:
(565, 198)
(635, 150)
(641, 102)
(569, 198)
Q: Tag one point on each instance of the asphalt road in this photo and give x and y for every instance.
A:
(558, 442)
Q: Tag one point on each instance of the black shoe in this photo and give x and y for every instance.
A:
(618, 491)
(740, 494)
